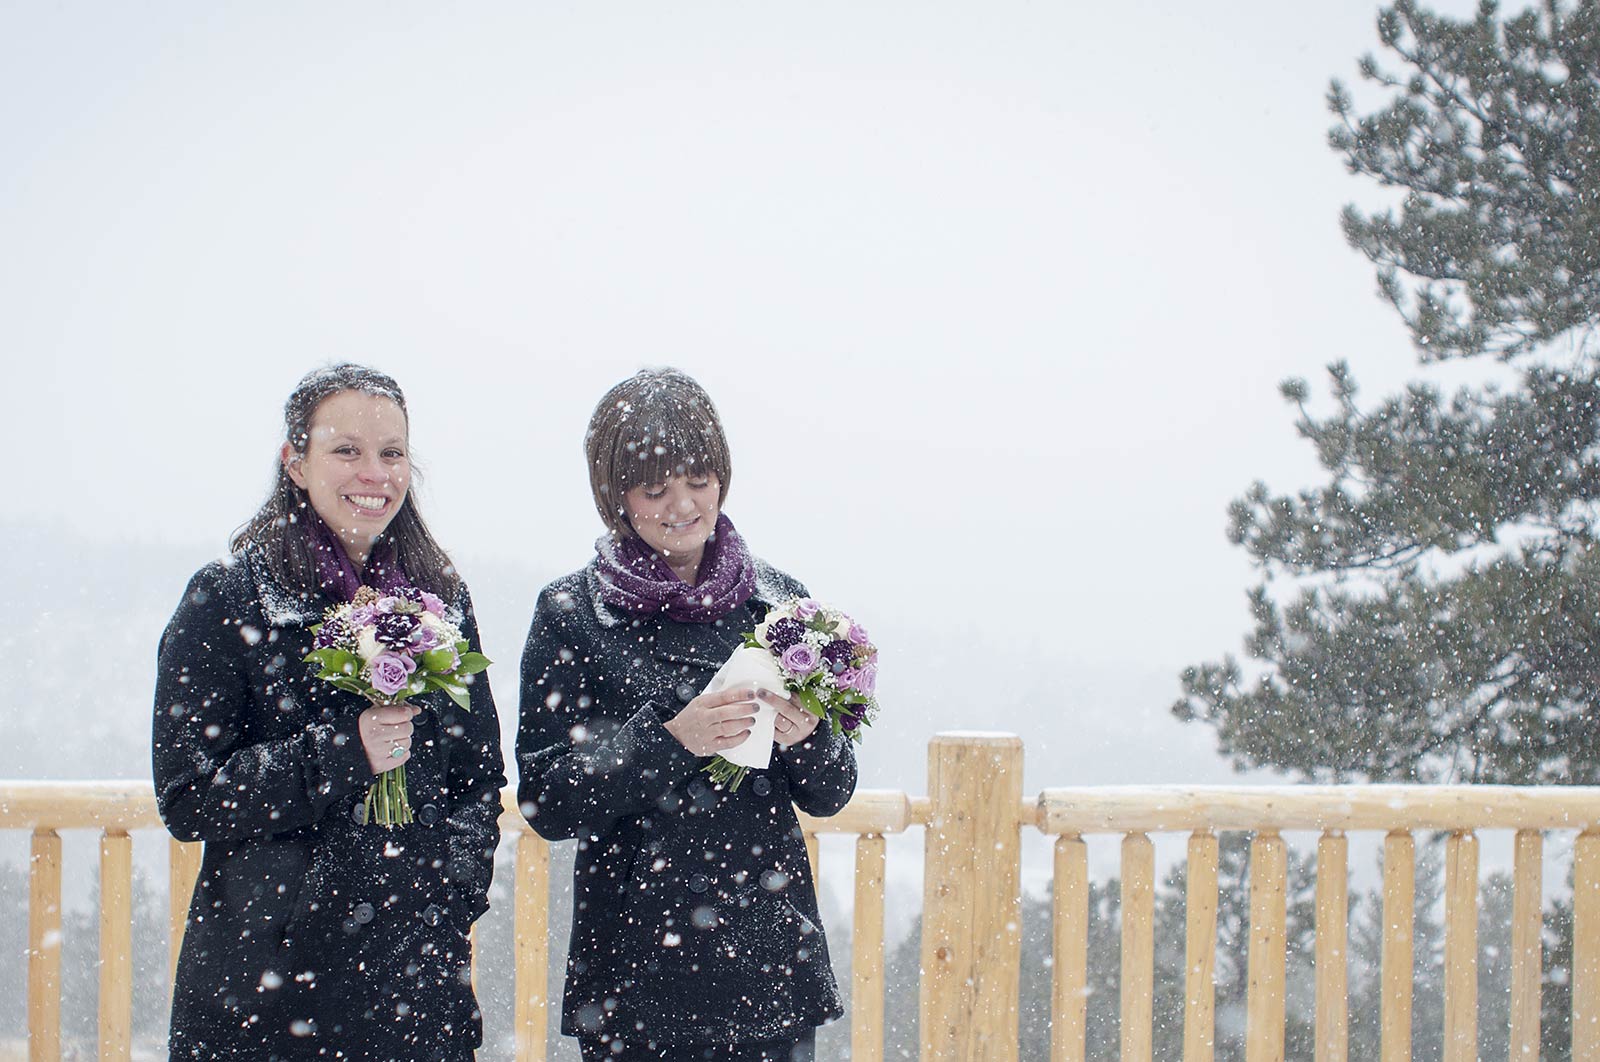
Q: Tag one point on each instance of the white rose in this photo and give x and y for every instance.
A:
(367, 645)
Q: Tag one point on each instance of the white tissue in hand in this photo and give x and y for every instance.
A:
(754, 668)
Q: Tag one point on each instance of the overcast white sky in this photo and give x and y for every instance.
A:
(994, 298)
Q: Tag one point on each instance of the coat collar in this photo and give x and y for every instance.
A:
(280, 606)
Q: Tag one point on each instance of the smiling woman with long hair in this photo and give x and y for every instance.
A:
(314, 934)
(695, 929)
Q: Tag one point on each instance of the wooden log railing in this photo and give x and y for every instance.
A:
(974, 817)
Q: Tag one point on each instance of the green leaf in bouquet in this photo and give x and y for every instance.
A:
(836, 725)
(471, 664)
(455, 692)
(334, 661)
(751, 641)
(349, 685)
(812, 702)
(436, 661)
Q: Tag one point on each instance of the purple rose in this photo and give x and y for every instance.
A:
(805, 608)
(849, 722)
(432, 603)
(783, 633)
(362, 615)
(391, 672)
(867, 680)
(847, 678)
(800, 659)
(858, 634)
(424, 638)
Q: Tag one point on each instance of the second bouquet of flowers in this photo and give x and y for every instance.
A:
(387, 647)
(813, 651)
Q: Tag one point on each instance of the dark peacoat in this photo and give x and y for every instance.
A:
(311, 934)
(694, 915)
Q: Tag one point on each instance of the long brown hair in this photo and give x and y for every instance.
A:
(274, 536)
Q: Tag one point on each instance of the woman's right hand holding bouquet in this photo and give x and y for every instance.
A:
(386, 735)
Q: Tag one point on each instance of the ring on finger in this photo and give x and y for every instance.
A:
(397, 751)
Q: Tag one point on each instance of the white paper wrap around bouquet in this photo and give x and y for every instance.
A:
(756, 669)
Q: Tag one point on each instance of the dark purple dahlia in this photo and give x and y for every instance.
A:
(784, 633)
(849, 721)
(331, 632)
(837, 654)
(394, 628)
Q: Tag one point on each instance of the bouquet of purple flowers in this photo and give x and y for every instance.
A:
(815, 652)
(387, 647)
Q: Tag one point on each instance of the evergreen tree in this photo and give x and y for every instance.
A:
(1428, 612)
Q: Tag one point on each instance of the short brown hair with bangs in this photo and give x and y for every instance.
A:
(655, 424)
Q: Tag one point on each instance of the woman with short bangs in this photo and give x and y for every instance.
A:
(695, 931)
(312, 933)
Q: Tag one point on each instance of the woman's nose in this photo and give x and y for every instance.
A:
(373, 470)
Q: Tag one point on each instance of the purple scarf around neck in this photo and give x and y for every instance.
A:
(337, 573)
(637, 580)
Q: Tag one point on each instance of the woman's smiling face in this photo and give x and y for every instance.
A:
(676, 518)
(356, 467)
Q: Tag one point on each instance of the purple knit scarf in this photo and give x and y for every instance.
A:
(337, 573)
(637, 580)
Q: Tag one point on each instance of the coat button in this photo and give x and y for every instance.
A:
(685, 692)
(761, 786)
(359, 813)
(364, 913)
(433, 914)
(699, 883)
(697, 788)
(428, 814)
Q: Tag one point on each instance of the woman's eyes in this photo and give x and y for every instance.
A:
(656, 490)
(390, 454)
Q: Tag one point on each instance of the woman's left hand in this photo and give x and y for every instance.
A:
(794, 724)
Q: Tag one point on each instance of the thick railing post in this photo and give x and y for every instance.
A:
(972, 905)
(44, 948)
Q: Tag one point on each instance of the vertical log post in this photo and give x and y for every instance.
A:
(183, 867)
(44, 948)
(1399, 905)
(866, 963)
(972, 916)
(1333, 942)
(1586, 948)
(1200, 950)
(116, 946)
(1461, 948)
(1069, 1005)
(530, 946)
(1264, 1007)
(1527, 950)
(1138, 948)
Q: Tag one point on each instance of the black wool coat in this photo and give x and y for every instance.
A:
(311, 934)
(694, 913)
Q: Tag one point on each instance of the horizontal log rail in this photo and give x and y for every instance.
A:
(973, 819)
